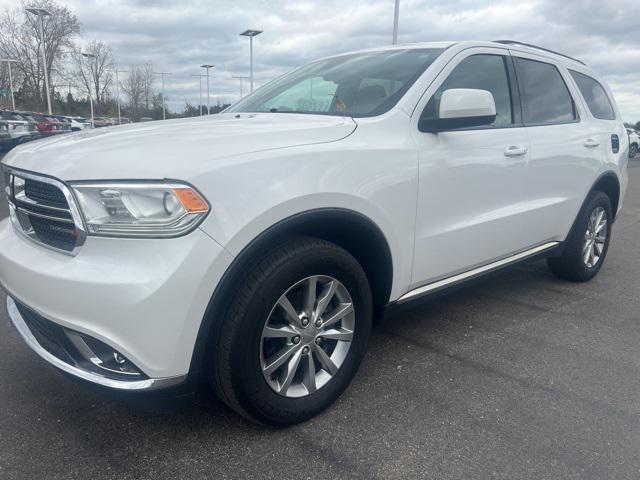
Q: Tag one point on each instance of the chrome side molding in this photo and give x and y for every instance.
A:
(432, 287)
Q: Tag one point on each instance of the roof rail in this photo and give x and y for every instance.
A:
(515, 42)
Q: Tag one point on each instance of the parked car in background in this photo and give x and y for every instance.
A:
(258, 268)
(100, 122)
(634, 142)
(45, 125)
(80, 123)
(123, 121)
(33, 125)
(5, 136)
(19, 128)
(146, 119)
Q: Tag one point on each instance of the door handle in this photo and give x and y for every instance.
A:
(514, 151)
(591, 143)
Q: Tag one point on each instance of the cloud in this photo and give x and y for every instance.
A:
(180, 36)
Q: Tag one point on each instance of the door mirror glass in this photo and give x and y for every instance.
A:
(461, 108)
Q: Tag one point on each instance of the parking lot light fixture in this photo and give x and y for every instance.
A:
(396, 15)
(251, 33)
(162, 75)
(41, 13)
(241, 78)
(200, 82)
(9, 62)
(207, 67)
(116, 71)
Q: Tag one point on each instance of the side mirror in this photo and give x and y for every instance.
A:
(461, 108)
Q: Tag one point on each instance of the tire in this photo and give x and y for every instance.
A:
(241, 355)
(633, 150)
(576, 264)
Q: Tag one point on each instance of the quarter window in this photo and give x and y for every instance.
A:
(545, 96)
(482, 72)
(595, 96)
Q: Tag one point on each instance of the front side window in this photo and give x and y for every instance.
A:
(595, 96)
(482, 72)
(357, 85)
(545, 96)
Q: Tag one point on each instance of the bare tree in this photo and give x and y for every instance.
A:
(20, 40)
(134, 88)
(92, 72)
(148, 85)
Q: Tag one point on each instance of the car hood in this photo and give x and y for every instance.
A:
(173, 149)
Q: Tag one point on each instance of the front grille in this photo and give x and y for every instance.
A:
(45, 193)
(43, 213)
(56, 234)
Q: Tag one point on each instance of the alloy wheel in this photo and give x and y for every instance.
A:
(307, 336)
(595, 237)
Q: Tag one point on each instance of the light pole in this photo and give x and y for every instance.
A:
(396, 14)
(9, 62)
(162, 74)
(116, 71)
(200, 80)
(208, 66)
(241, 78)
(251, 33)
(41, 13)
(93, 57)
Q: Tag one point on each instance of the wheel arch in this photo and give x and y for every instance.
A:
(353, 231)
(609, 184)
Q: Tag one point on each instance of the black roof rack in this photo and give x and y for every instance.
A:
(515, 42)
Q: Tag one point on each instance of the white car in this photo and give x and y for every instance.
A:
(250, 250)
(79, 123)
(634, 142)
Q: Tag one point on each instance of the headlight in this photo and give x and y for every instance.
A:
(140, 209)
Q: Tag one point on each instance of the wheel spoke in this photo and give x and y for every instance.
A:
(310, 296)
(339, 313)
(278, 359)
(290, 312)
(343, 334)
(292, 368)
(326, 361)
(600, 226)
(309, 377)
(325, 297)
(587, 254)
(280, 332)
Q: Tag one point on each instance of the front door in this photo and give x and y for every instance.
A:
(470, 201)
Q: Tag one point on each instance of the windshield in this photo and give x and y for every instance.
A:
(356, 85)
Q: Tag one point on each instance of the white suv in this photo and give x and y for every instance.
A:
(251, 250)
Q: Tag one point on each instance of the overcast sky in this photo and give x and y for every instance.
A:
(177, 35)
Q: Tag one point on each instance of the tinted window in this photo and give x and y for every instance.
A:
(545, 96)
(595, 96)
(483, 72)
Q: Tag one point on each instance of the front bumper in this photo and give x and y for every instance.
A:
(144, 298)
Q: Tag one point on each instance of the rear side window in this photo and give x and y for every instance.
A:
(545, 97)
(595, 96)
(483, 72)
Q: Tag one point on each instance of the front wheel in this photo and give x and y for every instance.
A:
(294, 334)
(588, 242)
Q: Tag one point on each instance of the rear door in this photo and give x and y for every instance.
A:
(566, 147)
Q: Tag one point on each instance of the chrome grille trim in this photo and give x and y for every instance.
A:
(22, 207)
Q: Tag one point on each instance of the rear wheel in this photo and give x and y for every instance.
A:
(294, 334)
(588, 242)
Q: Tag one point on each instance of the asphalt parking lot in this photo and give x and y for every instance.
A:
(522, 376)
